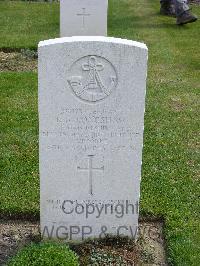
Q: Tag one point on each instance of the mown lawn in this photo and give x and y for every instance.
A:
(19, 180)
(23, 25)
(170, 179)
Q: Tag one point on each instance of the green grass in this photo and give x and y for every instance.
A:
(170, 178)
(24, 24)
(45, 254)
(19, 180)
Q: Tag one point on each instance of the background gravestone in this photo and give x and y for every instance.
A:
(83, 18)
(91, 111)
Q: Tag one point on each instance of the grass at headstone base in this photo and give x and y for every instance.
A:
(170, 177)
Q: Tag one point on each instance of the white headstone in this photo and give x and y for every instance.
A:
(83, 18)
(91, 112)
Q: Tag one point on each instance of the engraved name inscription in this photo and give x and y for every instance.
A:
(90, 130)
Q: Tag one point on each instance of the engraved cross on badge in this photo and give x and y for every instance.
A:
(94, 83)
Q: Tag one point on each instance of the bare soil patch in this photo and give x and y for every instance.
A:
(148, 250)
(25, 61)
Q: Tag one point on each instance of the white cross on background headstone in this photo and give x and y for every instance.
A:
(93, 14)
(83, 14)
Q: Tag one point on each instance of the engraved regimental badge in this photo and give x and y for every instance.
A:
(93, 78)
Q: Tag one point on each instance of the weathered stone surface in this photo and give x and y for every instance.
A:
(91, 112)
(83, 18)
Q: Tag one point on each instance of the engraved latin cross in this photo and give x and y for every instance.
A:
(90, 170)
(83, 14)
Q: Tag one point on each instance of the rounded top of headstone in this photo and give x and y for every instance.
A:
(92, 39)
